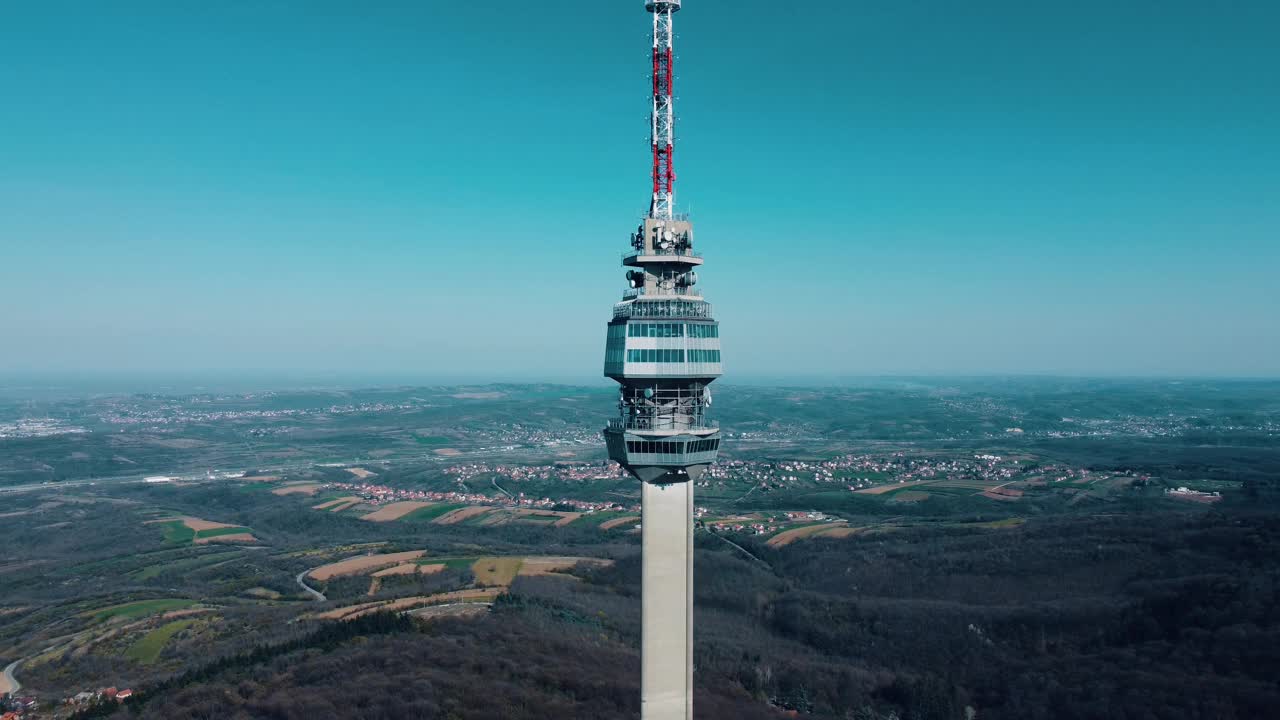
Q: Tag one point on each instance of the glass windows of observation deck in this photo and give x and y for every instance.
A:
(698, 446)
(655, 330)
(658, 447)
(704, 331)
(648, 355)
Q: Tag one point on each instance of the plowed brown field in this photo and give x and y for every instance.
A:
(362, 564)
(786, 537)
(394, 511)
(611, 524)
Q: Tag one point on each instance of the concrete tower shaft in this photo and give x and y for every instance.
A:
(663, 349)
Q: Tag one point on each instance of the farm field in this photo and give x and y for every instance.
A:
(908, 496)
(839, 532)
(147, 649)
(557, 518)
(395, 511)
(193, 530)
(227, 538)
(496, 571)
(344, 505)
(431, 512)
(625, 521)
(361, 564)
(786, 537)
(462, 514)
(140, 608)
(297, 489)
(334, 502)
(354, 611)
(401, 569)
(183, 564)
(534, 566)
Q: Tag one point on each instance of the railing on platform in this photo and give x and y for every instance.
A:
(645, 424)
(662, 309)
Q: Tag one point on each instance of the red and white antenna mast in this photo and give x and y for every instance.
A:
(663, 120)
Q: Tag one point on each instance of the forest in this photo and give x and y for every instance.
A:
(1157, 614)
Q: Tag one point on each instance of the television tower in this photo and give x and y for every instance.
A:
(663, 348)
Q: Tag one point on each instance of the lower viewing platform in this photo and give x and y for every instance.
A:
(659, 452)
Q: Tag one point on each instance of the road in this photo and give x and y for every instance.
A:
(741, 549)
(502, 489)
(319, 596)
(11, 684)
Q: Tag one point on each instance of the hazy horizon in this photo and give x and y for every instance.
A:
(908, 190)
(34, 386)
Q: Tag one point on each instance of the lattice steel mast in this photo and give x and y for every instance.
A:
(663, 119)
(663, 348)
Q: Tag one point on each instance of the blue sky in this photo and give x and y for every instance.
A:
(443, 189)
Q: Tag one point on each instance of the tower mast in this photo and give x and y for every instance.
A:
(663, 349)
(663, 118)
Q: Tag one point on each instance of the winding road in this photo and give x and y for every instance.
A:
(502, 489)
(11, 686)
(319, 596)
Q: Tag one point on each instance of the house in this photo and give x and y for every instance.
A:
(124, 695)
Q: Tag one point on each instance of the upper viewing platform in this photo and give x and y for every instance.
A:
(683, 256)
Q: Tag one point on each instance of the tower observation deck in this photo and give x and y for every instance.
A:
(663, 348)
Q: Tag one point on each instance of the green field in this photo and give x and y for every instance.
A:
(596, 518)
(147, 649)
(431, 512)
(432, 440)
(453, 563)
(141, 608)
(176, 532)
(907, 496)
(182, 565)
